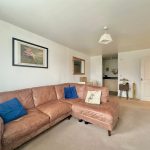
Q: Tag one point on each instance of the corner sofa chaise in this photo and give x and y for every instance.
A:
(46, 106)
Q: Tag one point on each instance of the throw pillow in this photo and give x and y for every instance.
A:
(74, 92)
(67, 92)
(11, 110)
(93, 97)
(70, 92)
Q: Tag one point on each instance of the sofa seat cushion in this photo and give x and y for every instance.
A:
(24, 126)
(55, 109)
(71, 101)
(100, 113)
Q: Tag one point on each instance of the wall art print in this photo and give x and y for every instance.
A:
(28, 54)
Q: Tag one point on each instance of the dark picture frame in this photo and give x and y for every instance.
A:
(26, 54)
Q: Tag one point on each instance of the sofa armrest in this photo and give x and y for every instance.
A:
(114, 102)
(114, 105)
(1, 131)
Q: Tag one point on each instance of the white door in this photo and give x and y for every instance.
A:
(145, 79)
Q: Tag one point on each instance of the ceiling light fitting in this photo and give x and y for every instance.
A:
(105, 38)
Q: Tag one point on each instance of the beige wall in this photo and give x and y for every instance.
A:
(96, 69)
(60, 61)
(129, 67)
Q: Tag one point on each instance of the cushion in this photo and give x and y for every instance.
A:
(60, 90)
(24, 127)
(11, 110)
(55, 109)
(93, 97)
(104, 92)
(96, 114)
(43, 94)
(24, 96)
(70, 92)
(80, 89)
(71, 101)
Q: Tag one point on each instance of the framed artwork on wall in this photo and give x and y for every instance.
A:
(27, 54)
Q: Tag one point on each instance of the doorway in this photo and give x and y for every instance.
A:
(145, 78)
(110, 73)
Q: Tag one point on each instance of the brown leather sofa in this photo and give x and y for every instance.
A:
(46, 106)
(104, 115)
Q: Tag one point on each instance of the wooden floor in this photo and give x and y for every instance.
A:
(114, 93)
(135, 102)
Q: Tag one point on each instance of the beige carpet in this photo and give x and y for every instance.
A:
(131, 133)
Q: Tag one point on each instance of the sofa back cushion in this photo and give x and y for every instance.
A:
(104, 92)
(24, 96)
(60, 90)
(43, 94)
(80, 89)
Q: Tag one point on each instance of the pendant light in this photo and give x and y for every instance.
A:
(105, 38)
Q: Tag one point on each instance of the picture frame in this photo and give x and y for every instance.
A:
(78, 66)
(26, 54)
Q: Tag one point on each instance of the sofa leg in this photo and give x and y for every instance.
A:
(69, 117)
(86, 122)
(109, 133)
(80, 120)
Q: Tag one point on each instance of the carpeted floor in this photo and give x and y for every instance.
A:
(131, 133)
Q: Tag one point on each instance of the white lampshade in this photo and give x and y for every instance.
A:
(105, 38)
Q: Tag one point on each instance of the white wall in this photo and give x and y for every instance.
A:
(129, 67)
(96, 69)
(111, 64)
(60, 61)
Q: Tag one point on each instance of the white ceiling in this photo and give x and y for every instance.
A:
(78, 24)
